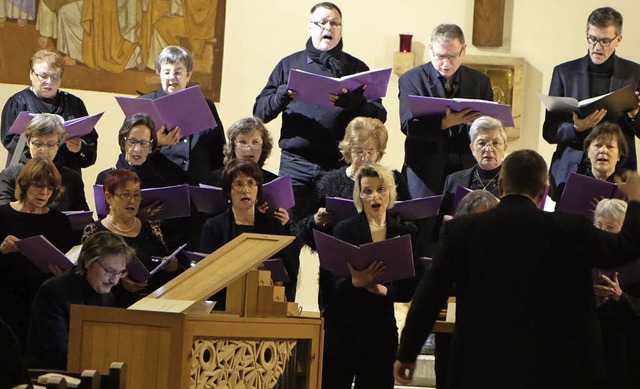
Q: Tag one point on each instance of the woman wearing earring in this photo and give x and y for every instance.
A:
(241, 185)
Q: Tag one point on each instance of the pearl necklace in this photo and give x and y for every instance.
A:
(125, 230)
(484, 187)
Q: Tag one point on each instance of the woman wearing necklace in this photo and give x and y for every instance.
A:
(241, 185)
(123, 196)
(365, 141)
(360, 328)
(488, 145)
(37, 185)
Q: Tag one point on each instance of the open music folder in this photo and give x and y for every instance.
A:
(314, 88)
(580, 191)
(616, 102)
(436, 106)
(75, 127)
(396, 254)
(187, 109)
(42, 253)
(413, 209)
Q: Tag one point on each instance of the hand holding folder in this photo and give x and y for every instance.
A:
(616, 103)
(75, 127)
(42, 253)
(579, 193)
(395, 253)
(435, 106)
(138, 272)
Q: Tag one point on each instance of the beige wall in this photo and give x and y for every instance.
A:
(259, 33)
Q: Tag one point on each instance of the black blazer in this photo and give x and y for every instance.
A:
(428, 147)
(572, 79)
(523, 280)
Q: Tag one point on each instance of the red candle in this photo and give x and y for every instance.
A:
(405, 43)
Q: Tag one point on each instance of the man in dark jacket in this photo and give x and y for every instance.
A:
(523, 280)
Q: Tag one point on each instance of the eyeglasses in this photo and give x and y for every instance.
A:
(239, 185)
(608, 227)
(113, 273)
(330, 23)
(604, 42)
(40, 145)
(359, 151)
(128, 196)
(42, 77)
(132, 142)
(370, 194)
(42, 186)
(246, 146)
(169, 73)
(449, 57)
(495, 144)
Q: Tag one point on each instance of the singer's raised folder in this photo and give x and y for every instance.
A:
(436, 106)
(42, 253)
(75, 127)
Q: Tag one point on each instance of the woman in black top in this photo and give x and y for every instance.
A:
(241, 185)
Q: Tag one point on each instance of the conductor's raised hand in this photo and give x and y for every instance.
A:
(629, 184)
(366, 277)
(453, 118)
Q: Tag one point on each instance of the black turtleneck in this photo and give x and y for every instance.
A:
(600, 76)
(486, 179)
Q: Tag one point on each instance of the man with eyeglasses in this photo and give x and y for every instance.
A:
(310, 133)
(438, 146)
(44, 96)
(599, 72)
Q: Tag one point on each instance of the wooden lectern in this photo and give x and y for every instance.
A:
(167, 341)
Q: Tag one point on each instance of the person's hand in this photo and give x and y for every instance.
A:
(634, 113)
(150, 210)
(349, 100)
(378, 289)
(629, 184)
(453, 118)
(131, 285)
(610, 289)
(9, 245)
(282, 215)
(56, 270)
(403, 372)
(168, 137)
(591, 120)
(263, 207)
(171, 266)
(322, 217)
(284, 94)
(594, 202)
(447, 218)
(74, 145)
(362, 278)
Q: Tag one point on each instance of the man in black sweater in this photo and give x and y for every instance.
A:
(310, 133)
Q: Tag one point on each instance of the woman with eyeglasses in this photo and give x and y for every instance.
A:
(37, 186)
(365, 141)
(44, 96)
(361, 337)
(241, 185)
(44, 134)
(101, 264)
(197, 154)
(138, 143)
(249, 139)
(123, 197)
(488, 143)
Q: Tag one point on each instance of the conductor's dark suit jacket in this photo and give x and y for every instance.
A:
(526, 312)
(571, 79)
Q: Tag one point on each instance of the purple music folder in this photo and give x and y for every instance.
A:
(580, 191)
(436, 106)
(396, 253)
(187, 109)
(627, 274)
(79, 219)
(278, 194)
(315, 88)
(340, 208)
(419, 208)
(175, 200)
(138, 272)
(278, 271)
(194, 256)
(208, 199)
(41, 253)
(461, 191)
(75, 127)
